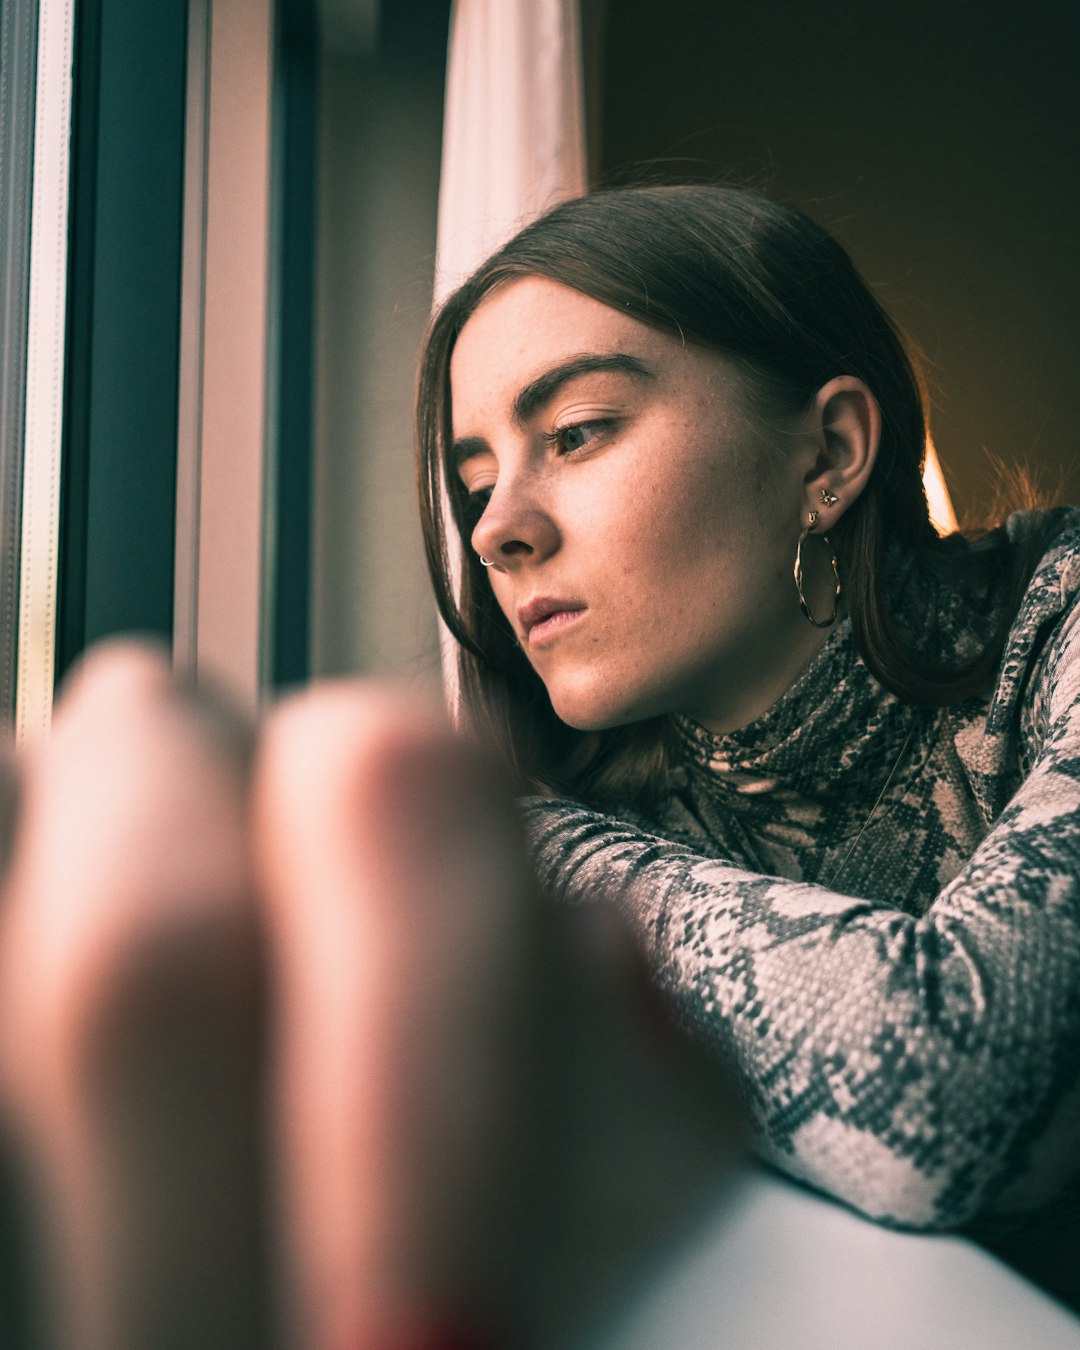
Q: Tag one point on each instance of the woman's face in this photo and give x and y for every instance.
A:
(642, 530)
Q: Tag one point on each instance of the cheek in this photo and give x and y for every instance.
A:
(712, 547)
(648, 528)
(672, 528)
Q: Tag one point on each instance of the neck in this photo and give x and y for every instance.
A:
(765, 678)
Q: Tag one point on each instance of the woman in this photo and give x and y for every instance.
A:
(825, 762)
(260, 1003)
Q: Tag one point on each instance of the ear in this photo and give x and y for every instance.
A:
(844, 423)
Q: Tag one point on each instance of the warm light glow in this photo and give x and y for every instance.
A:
(942, 515)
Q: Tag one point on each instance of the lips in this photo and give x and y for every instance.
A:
(545, 615)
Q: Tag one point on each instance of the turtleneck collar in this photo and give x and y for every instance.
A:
(831, 739)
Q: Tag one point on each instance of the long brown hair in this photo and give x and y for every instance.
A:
(757, 280)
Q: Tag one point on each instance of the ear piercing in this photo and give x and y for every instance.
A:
(804, 604)
(827, 498)
(812, 518)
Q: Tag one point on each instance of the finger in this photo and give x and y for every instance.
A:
(401, 915)
(129, 1014)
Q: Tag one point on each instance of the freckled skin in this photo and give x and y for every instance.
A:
(673, 522)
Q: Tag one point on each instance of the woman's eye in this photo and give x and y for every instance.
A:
(474, 505)
(576, 436)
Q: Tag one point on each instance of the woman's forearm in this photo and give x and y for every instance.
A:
(919, 1068)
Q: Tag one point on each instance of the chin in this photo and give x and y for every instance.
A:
(596, 709)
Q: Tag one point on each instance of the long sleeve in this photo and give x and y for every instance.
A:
(924, 1069)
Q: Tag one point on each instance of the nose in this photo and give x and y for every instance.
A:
(516, 527)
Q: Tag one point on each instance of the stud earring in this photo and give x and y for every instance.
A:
(828, 498)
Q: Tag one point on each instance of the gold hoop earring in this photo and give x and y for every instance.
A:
(817, 623)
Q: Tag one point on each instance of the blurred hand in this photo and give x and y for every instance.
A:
(291, 1052)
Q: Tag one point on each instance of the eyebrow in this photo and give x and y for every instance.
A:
(536, 393)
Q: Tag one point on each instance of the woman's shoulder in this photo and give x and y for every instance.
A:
(999, 740)
(1052, 539)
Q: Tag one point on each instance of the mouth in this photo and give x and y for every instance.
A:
(542, 618)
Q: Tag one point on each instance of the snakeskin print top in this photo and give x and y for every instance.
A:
(899, 996)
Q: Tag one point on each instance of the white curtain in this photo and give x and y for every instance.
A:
(513, 145)
(514, 129)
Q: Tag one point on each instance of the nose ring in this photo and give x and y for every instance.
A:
(485, 562)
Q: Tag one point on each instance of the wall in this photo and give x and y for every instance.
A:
(380, 141)
(938, 140)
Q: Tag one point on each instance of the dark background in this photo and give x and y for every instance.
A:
(939, 142)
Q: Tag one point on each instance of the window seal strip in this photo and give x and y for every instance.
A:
(45, 355)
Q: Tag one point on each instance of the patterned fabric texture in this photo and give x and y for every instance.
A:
(899, 995)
